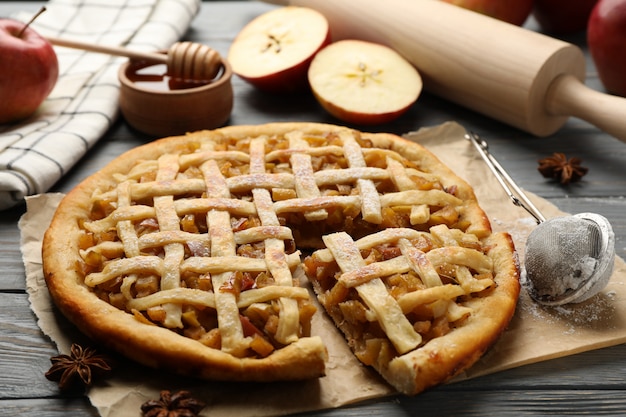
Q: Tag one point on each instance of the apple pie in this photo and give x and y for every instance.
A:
(189, 254)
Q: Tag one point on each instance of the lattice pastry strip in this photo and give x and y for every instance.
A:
(418, 197)
(125, 229)
(302, 168)
(223, 244)
(349, 175)
(289, 317)
(375, 239)
(129, 244)
(374, 293)
(370, 203)
(422, 263)
(174, 252)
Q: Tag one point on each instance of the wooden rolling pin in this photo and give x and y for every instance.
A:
(517, 76)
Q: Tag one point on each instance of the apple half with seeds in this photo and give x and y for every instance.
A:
(363, 82)
(273, 51)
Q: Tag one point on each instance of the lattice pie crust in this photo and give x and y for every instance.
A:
(184, 254)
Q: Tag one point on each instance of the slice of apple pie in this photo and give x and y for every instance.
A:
(184, 253)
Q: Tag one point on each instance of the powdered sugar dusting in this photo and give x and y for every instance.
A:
(597, 313)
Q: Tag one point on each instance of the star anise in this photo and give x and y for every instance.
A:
(77, 369)
(179, 404)
(562, 169)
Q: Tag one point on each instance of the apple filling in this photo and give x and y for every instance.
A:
(208, 235)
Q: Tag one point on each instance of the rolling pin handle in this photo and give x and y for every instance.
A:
(568, 96)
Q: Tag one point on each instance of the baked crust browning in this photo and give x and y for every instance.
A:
(183, 254)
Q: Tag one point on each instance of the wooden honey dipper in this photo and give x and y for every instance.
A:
(184, 60)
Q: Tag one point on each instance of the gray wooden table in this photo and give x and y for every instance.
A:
(591, 383)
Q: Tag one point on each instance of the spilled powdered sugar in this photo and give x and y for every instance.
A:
(595, 314)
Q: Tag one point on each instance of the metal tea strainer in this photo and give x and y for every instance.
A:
(568, 259)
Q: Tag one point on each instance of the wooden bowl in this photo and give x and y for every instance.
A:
(155, 109)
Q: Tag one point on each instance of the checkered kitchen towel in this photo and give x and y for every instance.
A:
(84, 103)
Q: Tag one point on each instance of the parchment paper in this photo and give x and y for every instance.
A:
(535, 334)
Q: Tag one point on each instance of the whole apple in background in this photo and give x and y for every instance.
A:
(273, 52)
(562, 17)
(510, 11)
(606, 40)
(28, 70)
(363, 83)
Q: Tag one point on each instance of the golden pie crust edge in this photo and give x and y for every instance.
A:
(430, 365)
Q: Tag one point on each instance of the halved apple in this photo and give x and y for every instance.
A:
(363, 83)
(273, 52)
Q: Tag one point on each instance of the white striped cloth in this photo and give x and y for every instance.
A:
(36, 153)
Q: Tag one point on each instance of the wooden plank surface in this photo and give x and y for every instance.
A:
(591, 383)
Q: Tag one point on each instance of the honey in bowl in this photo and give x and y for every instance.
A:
(155, 77)
(157, 104)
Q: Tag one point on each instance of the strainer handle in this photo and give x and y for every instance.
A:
(514, 192)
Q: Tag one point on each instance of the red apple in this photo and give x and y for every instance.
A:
(606, 39)
(562, 17)
(28, 70)
(363, 83)
(273, 52)
(510, 11)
